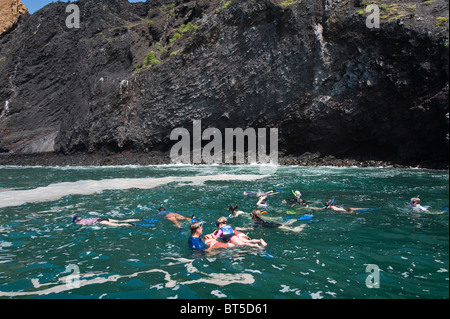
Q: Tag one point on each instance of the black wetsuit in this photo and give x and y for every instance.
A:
(263, 223)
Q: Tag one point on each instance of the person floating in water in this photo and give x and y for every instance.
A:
(234, 212)
(329, 204)
(259, 194)
(195, 240)
(262, 202)
(259, 222)
(226, 232)
(297, 199)
(173, 217)
(414, 203)
(77, 219)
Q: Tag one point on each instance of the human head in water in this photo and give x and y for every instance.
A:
(233, 208)
(221, 220)
(329, 203)
(415, 200)
(256, 214)
(196, 228)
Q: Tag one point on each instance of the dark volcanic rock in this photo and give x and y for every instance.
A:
(312, 69)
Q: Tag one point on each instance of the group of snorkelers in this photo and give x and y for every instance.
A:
(297, 199)
(225, 235)
(234, 238)
(330, 204)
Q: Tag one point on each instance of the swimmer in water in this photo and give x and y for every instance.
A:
(195, 240)
(329, 204)
(262, 202)
(234, 212)
(259, 194)
(297, 199)
(226, 232)
(173, 217)
(77, 219)
(414, 203)
(259, 222)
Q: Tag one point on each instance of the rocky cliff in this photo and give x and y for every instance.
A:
(10, 11)
(313, 69)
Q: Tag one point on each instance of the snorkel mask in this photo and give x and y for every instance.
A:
(193, 219)
(415, 200)
(218, 223)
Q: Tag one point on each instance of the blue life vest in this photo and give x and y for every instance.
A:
(196, 243)
(227, 230)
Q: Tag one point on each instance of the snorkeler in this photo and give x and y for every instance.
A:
(173, 217)
(262, 202)
(259, 194)
(329, 204)
(297, 199)
(259, 222)
(195, 240)
(414, 203)
(234, 212)
(103, 221)
(226, 232)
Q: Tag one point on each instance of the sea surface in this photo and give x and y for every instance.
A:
(386, 252)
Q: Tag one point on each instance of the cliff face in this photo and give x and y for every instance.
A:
(10, 11)
(134, 72)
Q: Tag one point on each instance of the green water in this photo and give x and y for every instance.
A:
(327, 259)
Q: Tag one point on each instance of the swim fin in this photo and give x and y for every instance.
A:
(150, 220)
(366, 209)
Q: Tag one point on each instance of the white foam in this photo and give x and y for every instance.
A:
(96, 279)
(218, 294)
(86, 187)
(316, 295)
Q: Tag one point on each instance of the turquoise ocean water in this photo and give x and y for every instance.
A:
(44, 255)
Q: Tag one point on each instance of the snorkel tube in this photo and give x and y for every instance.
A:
(296, 196)
(329, 205)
